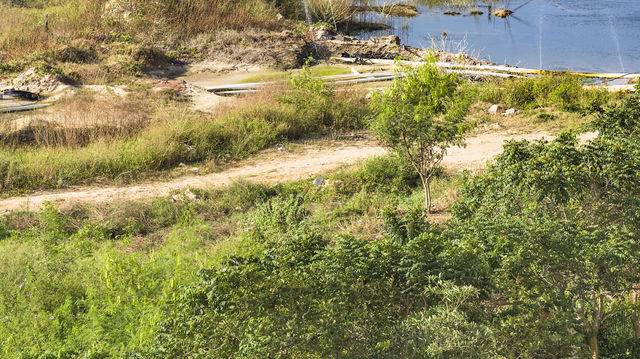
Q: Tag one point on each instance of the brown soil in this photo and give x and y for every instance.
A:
(269, 167)
(281, 50)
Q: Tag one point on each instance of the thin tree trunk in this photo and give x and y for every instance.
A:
(635, 316)
(427, 192)
(597, 301)
(428, 196)
(593, 344)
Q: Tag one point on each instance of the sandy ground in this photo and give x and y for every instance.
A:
(270, 167)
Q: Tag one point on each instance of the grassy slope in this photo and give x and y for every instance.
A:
(105, 41)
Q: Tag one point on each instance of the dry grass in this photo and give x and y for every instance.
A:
(330, 11)
(24, 31)
(85, 118)
(175, 134)
(187, 18)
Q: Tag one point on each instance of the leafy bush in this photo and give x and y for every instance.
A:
(444, 333)
(622, 120)
(301, 296)
(559, 223)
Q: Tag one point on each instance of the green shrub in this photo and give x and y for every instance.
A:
(302, 296)
(384, 174)
(620, 121)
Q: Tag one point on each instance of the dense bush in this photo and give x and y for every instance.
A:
(620, 121)
(558, 222)
(301, 296)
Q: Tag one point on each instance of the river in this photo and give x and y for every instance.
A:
(581, 35)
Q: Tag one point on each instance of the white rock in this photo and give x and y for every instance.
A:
(190, 195)
(493, 110)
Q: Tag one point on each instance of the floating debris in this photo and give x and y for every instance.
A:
(502, 13)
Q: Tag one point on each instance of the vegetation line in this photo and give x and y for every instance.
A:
(505, 69)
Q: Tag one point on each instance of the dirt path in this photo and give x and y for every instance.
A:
(268, 167)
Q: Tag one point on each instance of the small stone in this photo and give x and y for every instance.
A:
(195, 170)
(510, 112)
(493, 110)
(318, 182)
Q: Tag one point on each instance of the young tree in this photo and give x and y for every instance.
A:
(420, 116)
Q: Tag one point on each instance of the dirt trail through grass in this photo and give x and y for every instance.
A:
(269, 167)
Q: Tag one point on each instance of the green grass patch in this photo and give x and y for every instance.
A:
(564, 91)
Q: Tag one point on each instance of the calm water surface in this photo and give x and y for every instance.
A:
(581, 35)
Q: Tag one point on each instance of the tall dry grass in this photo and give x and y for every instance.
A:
(23, 32)
(332, 11)
(82, 119)
(187, 18)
